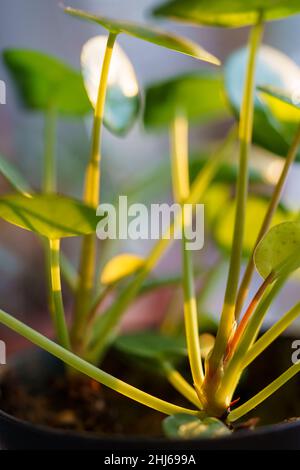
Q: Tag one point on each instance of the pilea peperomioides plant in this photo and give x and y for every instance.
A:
(216, 366)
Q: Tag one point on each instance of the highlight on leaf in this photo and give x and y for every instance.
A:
(123, 98)
(274, 125)
(287, 96)
(207, 342)
(120, 267)
(184, 426)
(284, 103)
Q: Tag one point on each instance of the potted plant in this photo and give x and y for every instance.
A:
(206, 371)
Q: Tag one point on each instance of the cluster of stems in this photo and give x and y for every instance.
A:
(236, 345)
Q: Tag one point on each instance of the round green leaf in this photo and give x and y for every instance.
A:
(256, 210)
(149, 34)
(123, 99)
(200, 95)
(279, 250)
(184, 426)
(52, 216)
(273, 129)
(227, 13)
(151, 345)
(44, 82)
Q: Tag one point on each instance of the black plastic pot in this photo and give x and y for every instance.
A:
(20, 435)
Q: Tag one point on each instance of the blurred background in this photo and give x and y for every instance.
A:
(42, 25)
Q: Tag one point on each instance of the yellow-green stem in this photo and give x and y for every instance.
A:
(191, 316)
(274, 332)
(49, 186)
(181, 189)
(247, 316)
(244, 287)
(91, 198)
(56, 295)
(180, 384)
(91, 371)
(179, 157)
(264, 394)
(227, 322)
(105, 325)
(234, 366)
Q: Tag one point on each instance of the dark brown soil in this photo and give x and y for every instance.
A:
(84, 405)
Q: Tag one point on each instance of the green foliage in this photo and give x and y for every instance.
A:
(185, 426)
(151, 345)
(227, 171)
(149, 34)
(274, 126)
(279, 98)
(158, 181)
(279, 251)
(256, 210)
(217, 361)
(227, 13)
(123, 99)
(49, 215)
(199, 95)
(45, 82)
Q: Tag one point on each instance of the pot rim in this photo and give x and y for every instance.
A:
(240, 435)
